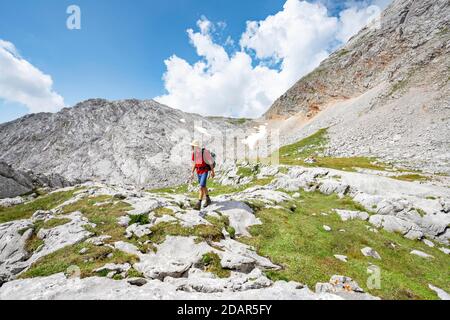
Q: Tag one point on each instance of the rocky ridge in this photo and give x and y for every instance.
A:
(384, 94)
(136, 142)
(17, 183)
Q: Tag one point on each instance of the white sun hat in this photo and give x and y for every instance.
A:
(195, 143)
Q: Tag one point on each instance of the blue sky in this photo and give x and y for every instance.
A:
(121, 49)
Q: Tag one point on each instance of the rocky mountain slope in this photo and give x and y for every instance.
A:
(126, 142)
(15, 182)
(384, 94)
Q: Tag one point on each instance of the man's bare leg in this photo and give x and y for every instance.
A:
(198, 206)
(208, 199)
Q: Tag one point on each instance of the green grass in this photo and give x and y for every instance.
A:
(159, 212)
(216, 189)
(247, 171)
(342, 53)
(26, 210)
(445, 30)
(231, 231)
(104, 216)
(180, 189)
(53, 223)
(222, 222)
(238, 121)
(60, 260)
(296, 240)
(33, 243)
(403, 84)
(400, 85)
(411, 177)
(139, 219)
(314, 146)
(161, 230)
(211, 263)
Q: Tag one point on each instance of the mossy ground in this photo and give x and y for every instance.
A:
(297, 241)
(211, 263)
(314, 146)
(222, 222)
(203, 232)
(103, 211)
(26, 210)
(33, 243)
(61, 260)
(411, 177)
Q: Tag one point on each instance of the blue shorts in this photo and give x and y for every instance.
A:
(202, 178)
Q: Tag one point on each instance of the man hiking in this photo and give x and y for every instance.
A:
(203, 163)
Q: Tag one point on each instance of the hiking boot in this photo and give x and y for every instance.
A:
(198, 206)
(208, 201)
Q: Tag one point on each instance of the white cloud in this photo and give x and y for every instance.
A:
(21, 82)
(273, 55)
(298, 37)
(354, 19)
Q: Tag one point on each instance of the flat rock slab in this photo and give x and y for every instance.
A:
(173, 258)
(369, 252)
(262, 194)
(144, 205)
(64, 235)
(242, 254)
(330, 186)
(421, 254)
(441, 293)
(352, 215)
(12, 248)
(188, 219)
(341, 257)
(127, 247)
(114, 267)
(393, 224)
(240, 215)
(344, 287)
(211, 284)
(9, 202)
(58, 287)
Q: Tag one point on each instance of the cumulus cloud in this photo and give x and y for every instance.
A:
(22, 82)
(354, 18)
(274, 53)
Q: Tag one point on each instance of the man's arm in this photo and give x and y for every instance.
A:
(193, 170)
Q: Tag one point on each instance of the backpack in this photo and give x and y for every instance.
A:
(213, 158)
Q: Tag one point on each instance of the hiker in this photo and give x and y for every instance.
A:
(204, 162)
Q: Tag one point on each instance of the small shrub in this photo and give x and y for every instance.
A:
(211, 263)
(139, 219)
(231, 231)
